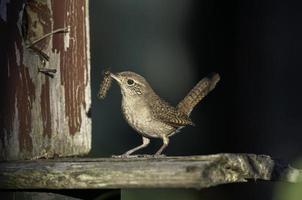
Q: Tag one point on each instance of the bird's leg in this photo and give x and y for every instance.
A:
(165, 144)
(146, 141)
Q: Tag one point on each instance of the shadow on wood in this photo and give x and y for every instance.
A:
(60, 194)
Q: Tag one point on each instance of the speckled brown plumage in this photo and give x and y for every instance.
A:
(200, 90)
(151, 116)
(168, 114)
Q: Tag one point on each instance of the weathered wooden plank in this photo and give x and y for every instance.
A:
(166, 172)
(42, 116)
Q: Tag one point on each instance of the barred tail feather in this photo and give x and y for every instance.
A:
(201, 89)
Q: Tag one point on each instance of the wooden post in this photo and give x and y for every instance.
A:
(44, 79)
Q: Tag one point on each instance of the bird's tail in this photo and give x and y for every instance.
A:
(201, 89)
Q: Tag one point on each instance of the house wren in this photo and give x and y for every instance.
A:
(151, 116)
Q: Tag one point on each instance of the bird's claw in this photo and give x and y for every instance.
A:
(120, 156)
(125, 156)
(138, 156)
(159, 156)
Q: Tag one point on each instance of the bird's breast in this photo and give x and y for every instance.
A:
(138, 114)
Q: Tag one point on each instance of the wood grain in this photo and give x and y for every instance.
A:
(146, 172)
(43, 115)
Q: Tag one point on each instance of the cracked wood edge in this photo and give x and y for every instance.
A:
(168, 172)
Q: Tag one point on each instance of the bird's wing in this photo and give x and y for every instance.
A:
(168, 114)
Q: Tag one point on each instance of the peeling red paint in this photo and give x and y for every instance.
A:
(45, 109)
(39, 15)
(17, 87)
(26, 95)
(73, 61)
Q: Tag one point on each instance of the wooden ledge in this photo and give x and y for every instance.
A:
(166, 172)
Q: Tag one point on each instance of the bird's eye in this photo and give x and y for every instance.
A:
(130, 82)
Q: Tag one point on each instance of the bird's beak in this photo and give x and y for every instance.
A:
(116, 77)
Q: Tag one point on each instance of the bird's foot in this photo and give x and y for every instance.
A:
(133, 156)
(159, 156)
(121, 156)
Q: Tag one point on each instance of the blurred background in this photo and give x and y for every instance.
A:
(256, 47)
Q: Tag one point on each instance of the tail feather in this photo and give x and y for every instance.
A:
(200, 90)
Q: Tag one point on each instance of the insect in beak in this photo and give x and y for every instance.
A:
(116, 77)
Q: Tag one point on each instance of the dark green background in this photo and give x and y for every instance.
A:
(256, 46)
